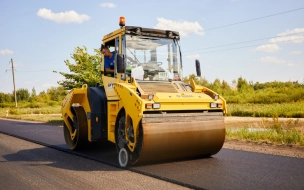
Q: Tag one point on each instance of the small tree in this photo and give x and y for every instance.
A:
(85, 70)
(33, 95)
(4, 98)
(226, 88)
(243, 86)
(43, 97)
(22, 94)
(56, 93)
(216, 86)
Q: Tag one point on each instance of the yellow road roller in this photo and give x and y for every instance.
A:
(144, 107)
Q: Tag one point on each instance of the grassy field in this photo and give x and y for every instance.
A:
(289, 132)
(24, 111)
(49, 114)
(290, 110)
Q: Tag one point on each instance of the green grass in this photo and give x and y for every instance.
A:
(53, 119)
(23, 111)
(290, 110)
(270, 131)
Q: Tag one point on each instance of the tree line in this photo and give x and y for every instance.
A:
(241, 91)
(51, 96)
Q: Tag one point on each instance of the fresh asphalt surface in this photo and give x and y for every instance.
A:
(229, 169)
(27, 165)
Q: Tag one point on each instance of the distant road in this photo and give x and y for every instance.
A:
(229, 169)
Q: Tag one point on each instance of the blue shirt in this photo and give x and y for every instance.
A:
(109, 62)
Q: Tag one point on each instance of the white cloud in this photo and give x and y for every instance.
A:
(270, 59)
(63, 17)
(293, 36)
(294, 31)
(267, 48)
(290, 36)
(6, 52)
(193, 56)
(290, 39)
(183, 27)
(296, 52)
(109, 5)
(290, 64)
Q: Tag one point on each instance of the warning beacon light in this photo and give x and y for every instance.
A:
(122, 21)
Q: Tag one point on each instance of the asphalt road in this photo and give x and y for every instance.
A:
(229, 169)
(26, 165)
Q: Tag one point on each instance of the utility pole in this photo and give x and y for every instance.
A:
(15, 94)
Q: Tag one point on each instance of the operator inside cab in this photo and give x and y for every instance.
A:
(109, 58)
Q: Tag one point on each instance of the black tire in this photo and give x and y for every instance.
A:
(120, 131)
(80, 124)
(120, 139)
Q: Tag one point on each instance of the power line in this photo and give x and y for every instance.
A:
(6, 65)
(44, 60)
(241, 22)
(243, 47)
(198, 49)
(241, 42)
(36, 71)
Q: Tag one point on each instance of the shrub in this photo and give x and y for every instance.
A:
(34, 105)
(13, 112)
(52, 103)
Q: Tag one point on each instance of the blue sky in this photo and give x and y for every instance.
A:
(40, 35)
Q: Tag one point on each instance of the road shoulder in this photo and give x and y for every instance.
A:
(266, 148)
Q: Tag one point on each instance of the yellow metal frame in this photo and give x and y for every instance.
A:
(199, 88)
(133, 106)
(76, 97)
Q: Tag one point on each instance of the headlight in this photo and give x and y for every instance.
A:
(154, 106)
(213, 105)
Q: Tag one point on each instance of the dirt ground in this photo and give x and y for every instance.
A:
(266, 148)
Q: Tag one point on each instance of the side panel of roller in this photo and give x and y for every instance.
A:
(98, 115)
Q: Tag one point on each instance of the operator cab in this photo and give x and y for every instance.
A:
(145, 54)
(155, 58)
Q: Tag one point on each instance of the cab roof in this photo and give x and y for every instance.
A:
(136, 30)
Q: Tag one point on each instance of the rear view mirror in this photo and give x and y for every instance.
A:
(121, 64)
(198, 68)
